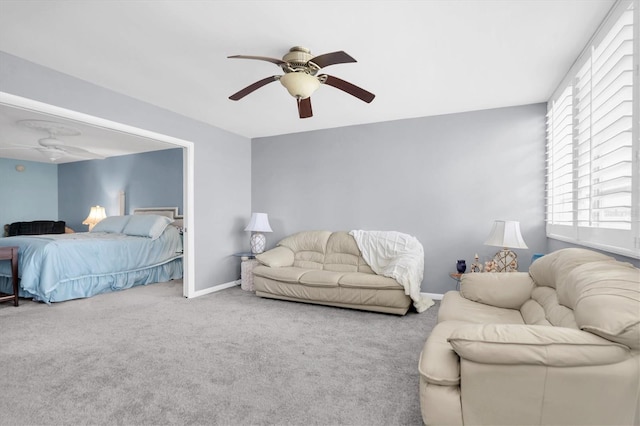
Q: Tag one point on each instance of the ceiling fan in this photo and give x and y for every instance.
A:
(52, 147)
(300, 77)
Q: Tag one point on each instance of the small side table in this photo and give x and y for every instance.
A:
(246, 270)
(11, 253)
(456, 276)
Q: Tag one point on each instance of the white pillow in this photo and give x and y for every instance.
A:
(147, 225)
(113, 224)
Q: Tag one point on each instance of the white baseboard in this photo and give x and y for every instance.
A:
(434, 296)
(215, 288)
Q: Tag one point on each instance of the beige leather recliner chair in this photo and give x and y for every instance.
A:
(559, 345)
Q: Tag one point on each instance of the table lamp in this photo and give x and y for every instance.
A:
(96, 214)
(258, 224)
(506, 234)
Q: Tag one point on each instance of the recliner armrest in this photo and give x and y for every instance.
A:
(439, 364)
(515, 344)
(501, 289)
(277, 257)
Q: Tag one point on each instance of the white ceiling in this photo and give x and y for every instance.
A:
(420, 58)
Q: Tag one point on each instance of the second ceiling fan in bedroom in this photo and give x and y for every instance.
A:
(300, 77)
(51, 147)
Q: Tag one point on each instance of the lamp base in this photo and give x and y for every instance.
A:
(506, 261)
(258, 243)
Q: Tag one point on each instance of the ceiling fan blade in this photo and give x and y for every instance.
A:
(80, 152)
(345, 86)
(304, 108)
(259, 58)
(255, 86)
(12, 147)
(332, 58)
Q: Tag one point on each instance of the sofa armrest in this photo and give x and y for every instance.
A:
(501, 289)
(277, 257)
(515, 344)
(439, 364)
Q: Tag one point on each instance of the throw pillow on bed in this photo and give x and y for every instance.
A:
(113, 224)
(147, 225)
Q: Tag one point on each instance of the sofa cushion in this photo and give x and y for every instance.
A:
(308, 247)
(553, 311)
(320, 278)
(533, 313)
(454, 307)
(554, 267)
(373, 281)
(287, 275)
(395, 302)
(606, 297)
(344, 255)
(497, 289)
(276, 257)
(514, 344)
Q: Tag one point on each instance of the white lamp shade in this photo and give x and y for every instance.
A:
(506, 233)
(300, 84)
(96, 214)
(259, 223)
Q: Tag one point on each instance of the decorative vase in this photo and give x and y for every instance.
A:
(461, 266)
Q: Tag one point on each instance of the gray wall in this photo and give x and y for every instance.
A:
(222, 160)
(28, 195)
(150, 179)
(442, 179)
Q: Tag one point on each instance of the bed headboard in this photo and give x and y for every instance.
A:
(170, 212)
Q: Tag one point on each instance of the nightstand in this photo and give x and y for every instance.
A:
(11, 254)
(456, 276)
(246, 269)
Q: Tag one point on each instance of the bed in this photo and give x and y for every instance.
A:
(120, 252)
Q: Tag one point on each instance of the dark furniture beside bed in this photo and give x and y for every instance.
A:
(11, 254)
(36, 227)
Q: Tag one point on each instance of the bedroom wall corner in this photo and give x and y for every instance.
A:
(149, 179)
(30, 194)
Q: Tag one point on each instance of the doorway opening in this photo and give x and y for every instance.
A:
(188, 157)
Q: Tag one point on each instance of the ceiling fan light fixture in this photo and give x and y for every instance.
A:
(52, 154)
(300, 77)
(300, 85)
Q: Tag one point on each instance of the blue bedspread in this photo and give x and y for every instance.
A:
(59, 267)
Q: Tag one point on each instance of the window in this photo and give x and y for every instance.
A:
(593, 188)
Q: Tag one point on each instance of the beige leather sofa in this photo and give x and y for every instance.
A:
(559, 345)
(326, 268)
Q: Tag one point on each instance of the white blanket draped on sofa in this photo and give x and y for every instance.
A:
(398, 256)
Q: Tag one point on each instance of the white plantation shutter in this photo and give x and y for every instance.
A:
(584, 91)
(560, 160)
(593, 189)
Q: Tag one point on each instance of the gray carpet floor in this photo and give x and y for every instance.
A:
(148, 356)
